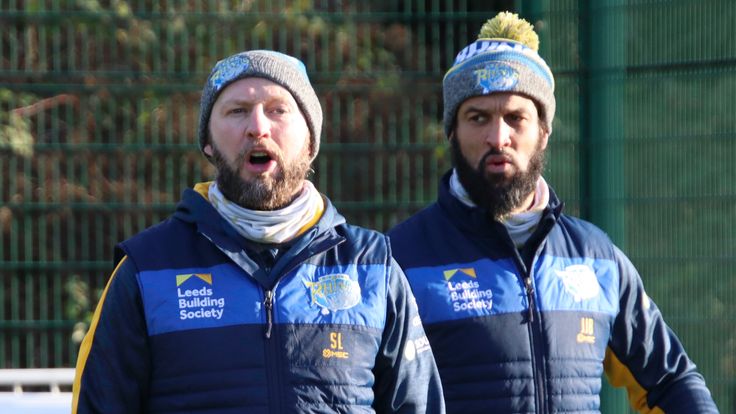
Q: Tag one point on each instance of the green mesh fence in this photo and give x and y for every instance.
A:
(99, 111)
(643, 145)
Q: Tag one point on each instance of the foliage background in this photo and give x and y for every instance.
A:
(99, 110)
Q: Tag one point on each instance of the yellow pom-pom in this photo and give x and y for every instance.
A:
(510, 26)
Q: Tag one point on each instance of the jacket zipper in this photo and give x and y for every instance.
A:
(535, 333)
(273, 374)
(535, 337)
(268, 304)
(272, 351)
(272, 346)
(530, 297)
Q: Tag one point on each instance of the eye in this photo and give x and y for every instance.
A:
(477, 118)
(279, 110)
(514, 118)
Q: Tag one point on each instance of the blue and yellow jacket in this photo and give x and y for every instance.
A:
(532, 330)
(189, 322)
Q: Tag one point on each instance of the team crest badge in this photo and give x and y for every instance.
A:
(334, 292)
(579, 281)
(496, 77)
(227, 69)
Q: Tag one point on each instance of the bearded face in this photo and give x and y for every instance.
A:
(259, 142)
(498, 193)
(265, 192)
(498, 147)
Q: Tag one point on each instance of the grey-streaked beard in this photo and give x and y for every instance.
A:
(262, 193)
(494, 192)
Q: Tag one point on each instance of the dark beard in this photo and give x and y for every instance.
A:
(497, 194)
(262, 193)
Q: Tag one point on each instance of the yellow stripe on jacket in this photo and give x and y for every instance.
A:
(619, 375)
(86, 345)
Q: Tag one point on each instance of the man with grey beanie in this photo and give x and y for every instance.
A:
(526, 307)
(256, 296)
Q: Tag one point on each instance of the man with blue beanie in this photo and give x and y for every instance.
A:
(256, 296)
(526, 307)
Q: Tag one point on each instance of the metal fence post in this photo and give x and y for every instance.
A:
(602, 38)
(602, 123)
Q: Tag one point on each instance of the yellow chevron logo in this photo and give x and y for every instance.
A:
(452, 272)
(207, 277)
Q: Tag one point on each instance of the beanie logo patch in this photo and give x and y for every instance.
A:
(227, 69)
(495, 77)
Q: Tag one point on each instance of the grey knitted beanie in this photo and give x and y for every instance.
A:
(503, 59)
(280, 68)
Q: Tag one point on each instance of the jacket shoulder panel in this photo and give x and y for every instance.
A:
(189, 284)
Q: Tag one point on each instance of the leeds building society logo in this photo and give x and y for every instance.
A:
(579, 281)
(466, 294)
(334, 292)
(198, 303)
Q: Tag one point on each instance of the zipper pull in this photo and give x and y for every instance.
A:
(530, 296)
(268, 304)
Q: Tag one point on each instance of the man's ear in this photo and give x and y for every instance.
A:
(207, 150)
(544, 136)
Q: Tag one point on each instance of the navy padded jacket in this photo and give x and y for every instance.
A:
(190, 323)
(531, 331)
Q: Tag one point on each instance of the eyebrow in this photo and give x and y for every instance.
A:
(474, 109)
(515, 109)
(238, 101)
(245, 101)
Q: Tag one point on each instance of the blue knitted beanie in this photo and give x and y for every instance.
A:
(285, 70)
(503, 59)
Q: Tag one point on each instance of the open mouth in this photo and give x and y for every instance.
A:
(259, 158)
(260, 161)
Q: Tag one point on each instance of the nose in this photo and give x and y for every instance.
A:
(498, 134)
(258, 125)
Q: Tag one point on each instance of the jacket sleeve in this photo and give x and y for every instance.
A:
(407, 380)
(113, 363)
(646, 357)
